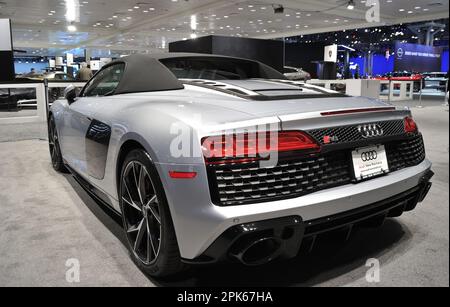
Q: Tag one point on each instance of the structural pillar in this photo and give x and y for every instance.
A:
(87, 55)
(6, 51)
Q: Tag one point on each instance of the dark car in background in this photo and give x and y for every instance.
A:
(11, 99)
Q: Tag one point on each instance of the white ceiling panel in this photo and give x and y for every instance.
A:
(124, 25)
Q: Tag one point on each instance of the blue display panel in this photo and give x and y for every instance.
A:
(418, 58)
(444, 66)
(360, 61)
(382, 65)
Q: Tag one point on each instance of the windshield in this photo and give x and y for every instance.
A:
(212, 68)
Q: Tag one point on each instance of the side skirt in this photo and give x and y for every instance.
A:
(100, 197)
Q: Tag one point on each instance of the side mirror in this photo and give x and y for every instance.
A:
(70, 93)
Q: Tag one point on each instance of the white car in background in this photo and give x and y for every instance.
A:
(435, 80)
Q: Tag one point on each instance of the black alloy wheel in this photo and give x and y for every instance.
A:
(141, 212)
(147, 221)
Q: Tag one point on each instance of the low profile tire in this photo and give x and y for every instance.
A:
(146, 218)
(55, 149)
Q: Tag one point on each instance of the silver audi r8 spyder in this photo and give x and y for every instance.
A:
(210, 158)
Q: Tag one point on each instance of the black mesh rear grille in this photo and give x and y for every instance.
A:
(350, 134)
(406, 154)
(239, 184)
(294, 177)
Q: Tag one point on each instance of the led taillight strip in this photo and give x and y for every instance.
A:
(354, 111)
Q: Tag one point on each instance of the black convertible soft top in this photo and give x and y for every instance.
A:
(147, 73)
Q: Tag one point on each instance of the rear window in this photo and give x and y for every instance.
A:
(214, 68)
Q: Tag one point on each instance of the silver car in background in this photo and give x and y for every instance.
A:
(296, 74)
(209, 158)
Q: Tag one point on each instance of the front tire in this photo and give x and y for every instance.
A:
(55, 148)
(146, 217)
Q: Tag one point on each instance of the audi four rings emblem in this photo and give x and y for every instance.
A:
(369, 156)
(370, 131)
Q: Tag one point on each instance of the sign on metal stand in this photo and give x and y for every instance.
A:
(422, 84)
(445, 94)
(390, 86)
(47, 104)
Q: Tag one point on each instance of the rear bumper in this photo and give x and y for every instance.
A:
(198, 222)
(292, 234)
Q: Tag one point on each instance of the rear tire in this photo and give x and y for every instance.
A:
(146, 218)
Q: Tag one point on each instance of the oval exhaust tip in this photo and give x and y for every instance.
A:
(259, 252)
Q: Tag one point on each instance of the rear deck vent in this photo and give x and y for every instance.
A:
(234, 90)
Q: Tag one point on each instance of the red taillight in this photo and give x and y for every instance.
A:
(240, 148)
(182, 175)
(295, 140)
(410, 125)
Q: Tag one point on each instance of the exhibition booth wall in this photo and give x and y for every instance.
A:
(382, 65)
(270, 52)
